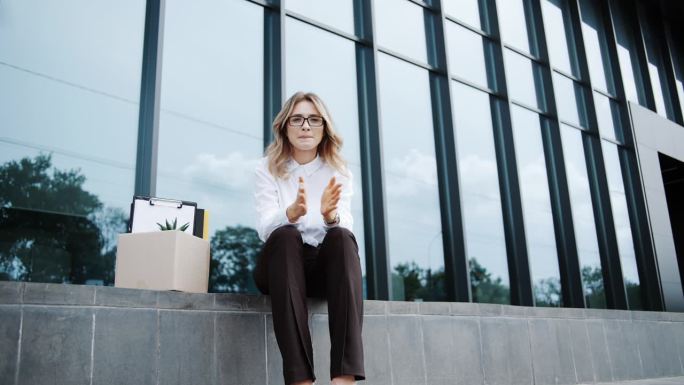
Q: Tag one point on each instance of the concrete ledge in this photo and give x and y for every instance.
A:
(68, 334)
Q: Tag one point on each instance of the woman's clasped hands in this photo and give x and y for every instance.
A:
(329, 200)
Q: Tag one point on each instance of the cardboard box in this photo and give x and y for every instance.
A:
(162, 260)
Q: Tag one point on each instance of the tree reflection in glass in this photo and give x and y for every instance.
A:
(51, 229)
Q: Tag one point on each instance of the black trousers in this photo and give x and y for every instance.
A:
(289, 271)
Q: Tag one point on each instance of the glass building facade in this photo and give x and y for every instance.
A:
(490, 140)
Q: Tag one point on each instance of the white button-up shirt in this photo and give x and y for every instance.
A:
(273, 195)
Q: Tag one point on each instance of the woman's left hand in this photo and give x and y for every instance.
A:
(329, 199)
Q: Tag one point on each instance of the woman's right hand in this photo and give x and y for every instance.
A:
(298, 208)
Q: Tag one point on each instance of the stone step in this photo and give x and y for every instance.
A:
(650, 381)
(71, 334)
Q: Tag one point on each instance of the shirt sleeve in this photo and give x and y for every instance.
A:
(344, 205)
(270, 215)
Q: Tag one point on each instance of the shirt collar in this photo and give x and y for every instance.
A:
(308, 168)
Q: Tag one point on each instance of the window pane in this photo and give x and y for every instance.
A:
(569, 100)
(210, 130)
(513, 24)
(467, 11)
(596, 46)
(608, 116)
(627, 55)
(466, 54)
(613, 169)
(536, 203)
(679, 71)
(524, 80)
(413, 217)
(480, 199)
(335, 13)
(623, 230)
(330, 72)
(69, 106)
(400, 27)
(559, 35)
(583, 217)
(656, 71)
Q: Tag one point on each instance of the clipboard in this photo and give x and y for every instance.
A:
(148, 212)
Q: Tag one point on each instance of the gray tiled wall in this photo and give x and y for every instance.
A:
(64, 334)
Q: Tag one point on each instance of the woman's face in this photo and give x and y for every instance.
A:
(307, 136)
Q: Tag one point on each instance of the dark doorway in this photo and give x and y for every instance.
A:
(673, 179)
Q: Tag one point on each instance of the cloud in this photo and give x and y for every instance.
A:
(479, 175)
(233, 171)
(534, 183)
(412, 174)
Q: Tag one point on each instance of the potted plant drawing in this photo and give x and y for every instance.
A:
(172, 226)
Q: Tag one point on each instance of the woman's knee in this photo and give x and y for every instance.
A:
(339, 234)
(341, 238)
(287, 233)
(339, 231)
(284, 248)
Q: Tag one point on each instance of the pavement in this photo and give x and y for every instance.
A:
(649, 381)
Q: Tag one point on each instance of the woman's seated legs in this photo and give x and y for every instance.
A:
(339, 259)
(280, 273)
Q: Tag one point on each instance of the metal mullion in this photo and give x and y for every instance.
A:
(263, 3)
(533, 109)
(274, 84)
(529, 56)
(323, 26)
(642, 55)
(566, 245)
(578, 128)
(148, 114)
(611, 268)
(583, 62)
(488, 40)
(468, 26)
(647, 265)
(644, 247)
(474, 85)
(421, 4)
(649, 280)
(574, 125)
(589, 137)
(567, 75)
(575, 79)
(456, 267)
(645, 255)
(606, 94)
(407, 59)
(509, 187)
(588, 108)
(613, 280)
(378, 269)
(668, 52)
(625, 135)
(611, 37)
(613, 141)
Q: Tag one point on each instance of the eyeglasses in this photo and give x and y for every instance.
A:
(298, 121)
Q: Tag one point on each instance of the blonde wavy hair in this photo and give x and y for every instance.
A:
(280, 150)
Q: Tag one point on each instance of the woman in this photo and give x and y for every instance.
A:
(303, 201)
